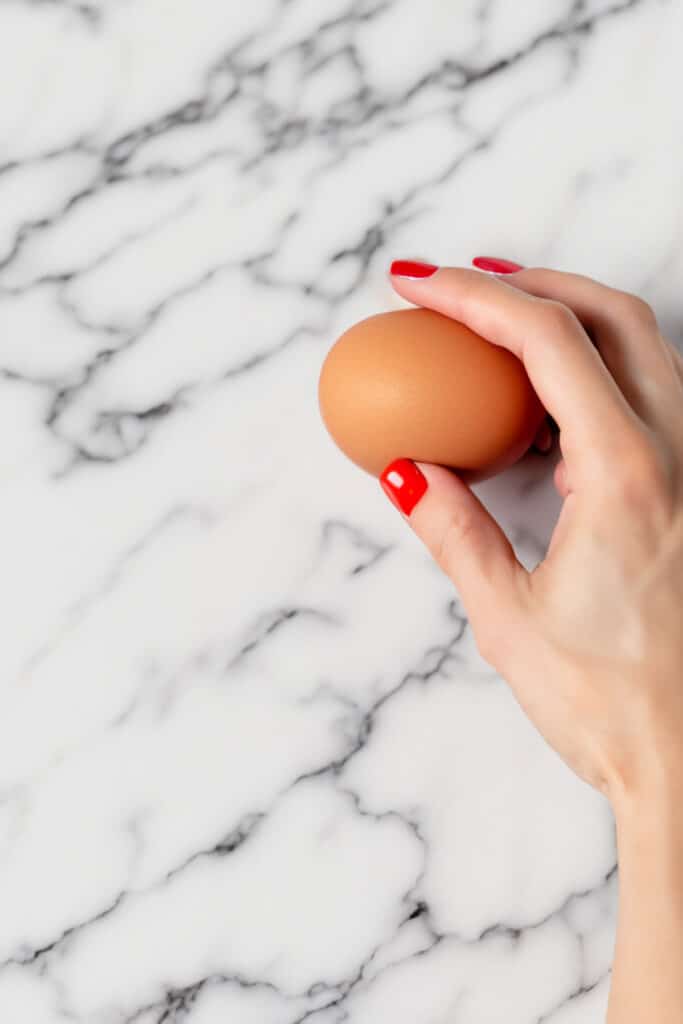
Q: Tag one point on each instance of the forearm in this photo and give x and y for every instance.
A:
(647, 983)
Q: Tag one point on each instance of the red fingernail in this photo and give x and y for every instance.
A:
(411, 268)
(403, 482)
(496, 266)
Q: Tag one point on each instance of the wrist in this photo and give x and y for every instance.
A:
(649, 796)
(647, 981)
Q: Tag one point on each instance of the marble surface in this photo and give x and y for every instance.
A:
(252, 769)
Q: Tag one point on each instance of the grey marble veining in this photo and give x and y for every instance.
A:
(252, 768)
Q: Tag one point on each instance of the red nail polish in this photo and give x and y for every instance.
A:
(411, 268)
(495, 265)
(404, 484)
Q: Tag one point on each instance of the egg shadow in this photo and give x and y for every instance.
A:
(524, 501)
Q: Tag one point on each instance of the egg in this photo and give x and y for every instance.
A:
(416, 384)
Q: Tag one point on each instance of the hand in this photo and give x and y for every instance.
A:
(591, 641)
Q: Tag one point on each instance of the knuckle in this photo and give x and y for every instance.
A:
(538, 278)
(458, 531)
(469, 288)
(558, 317)
(636, 311)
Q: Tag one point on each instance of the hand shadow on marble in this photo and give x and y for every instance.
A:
(524, 501)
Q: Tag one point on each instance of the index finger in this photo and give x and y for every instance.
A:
(563, 365)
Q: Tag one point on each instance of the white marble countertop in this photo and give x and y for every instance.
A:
(252, 769)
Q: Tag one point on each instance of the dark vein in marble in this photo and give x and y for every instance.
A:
(517, 929)
(78, 146)
(223, 86)
(90, 14)
(27, 956)
(571, 24)
(16, 377)
(81, 608)
(178, 1000)
(581, 990)
(420, 909)
(368, 551)
(205, 107)
(272, 622)
(229, 844)
(176, 1003)
(436, 658)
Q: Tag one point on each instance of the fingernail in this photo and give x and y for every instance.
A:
(495, 265)
(412, 268)
(404, 484)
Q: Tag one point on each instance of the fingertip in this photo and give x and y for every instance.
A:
(544, 439)
(404, 484)
(561, 479)
(496, 265)
(412, 269)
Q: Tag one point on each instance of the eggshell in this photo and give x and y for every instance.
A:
(416, 384)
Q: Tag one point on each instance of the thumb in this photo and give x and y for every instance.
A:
(467, 543)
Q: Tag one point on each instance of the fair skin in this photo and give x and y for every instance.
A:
(591, 641)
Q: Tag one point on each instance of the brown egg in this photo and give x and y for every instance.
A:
(415, 384)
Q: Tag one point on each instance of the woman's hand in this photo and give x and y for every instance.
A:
(591, 641)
